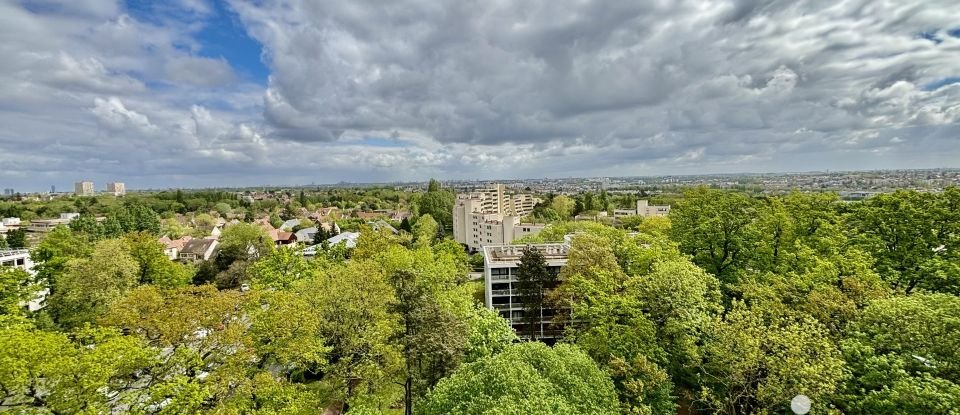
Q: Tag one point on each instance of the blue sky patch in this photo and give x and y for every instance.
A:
(954, 32)
(930, 35)
(222, 35)
(942, 83)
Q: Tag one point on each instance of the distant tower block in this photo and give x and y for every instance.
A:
(84, 188)
(116, 188)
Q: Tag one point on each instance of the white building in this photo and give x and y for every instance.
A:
(84, 188)
(117, 188)
(643, 209)
(47, 225)
(500, 263)
(490, 217)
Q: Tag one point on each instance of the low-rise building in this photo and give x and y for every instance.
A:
(644, 209)
(47, 225)
(500, 263)
(172, 247)
(198, 249)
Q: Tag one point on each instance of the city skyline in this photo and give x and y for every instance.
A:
(198, 93)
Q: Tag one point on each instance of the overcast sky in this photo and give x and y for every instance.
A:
(189, 93)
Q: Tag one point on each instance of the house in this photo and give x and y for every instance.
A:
(172, 247)
(198, 249)
(290, 224)
(284, 238)
(382, 224)
(348, 238)
(306, 234)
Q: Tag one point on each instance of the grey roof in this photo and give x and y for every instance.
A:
(197, 246)
(306, 234)
(349, 238)
(382, 224)
(290, 224)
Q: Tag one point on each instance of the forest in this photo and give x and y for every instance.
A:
(734, 304)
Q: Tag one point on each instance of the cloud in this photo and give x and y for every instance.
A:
(363, 90)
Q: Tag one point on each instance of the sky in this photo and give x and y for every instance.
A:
(197, 93)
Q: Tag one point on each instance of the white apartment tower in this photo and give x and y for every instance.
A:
(490, 216)
(116, 188)
(84, 188)
(500, 264)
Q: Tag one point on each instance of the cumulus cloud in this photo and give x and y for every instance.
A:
(363, 90)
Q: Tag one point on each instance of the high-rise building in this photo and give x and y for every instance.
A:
(500, 264)
(8, 192)
(490, 216)
(84, 188)
(117, 188)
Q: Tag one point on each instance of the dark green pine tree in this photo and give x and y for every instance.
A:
(533, 281)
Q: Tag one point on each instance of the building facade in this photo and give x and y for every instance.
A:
(116, 188)
(84, 188)
(644, 209)
(491, 216)
(500, 266)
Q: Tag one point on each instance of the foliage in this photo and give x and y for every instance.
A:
(88, 286)
(527, 378)
(533, 282)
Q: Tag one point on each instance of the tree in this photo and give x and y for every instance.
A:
(909, 233)
(563, 205)
(14, 288)
(438, 204)
(89, 285)
(714, 227)
(433, 186)
(94, 370)
(425, 231)
(534, 281)
(527, 378)
(752, 365)
(279, 269)
(244, 241)
(429, 336)
(155, 266)
(17, 238)
(405, 225)
(303, 199)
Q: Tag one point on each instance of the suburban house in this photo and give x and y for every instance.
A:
(382, 224)
(172, 247)
(198, 249)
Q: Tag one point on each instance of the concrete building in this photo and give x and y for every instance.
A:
(47, 225)
(116, 188)
(500, 263)
(643, 209)
(83, 188)
(490, 217)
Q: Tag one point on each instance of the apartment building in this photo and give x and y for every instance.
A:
(500, 267)
(84, 188)
(491, 216)
(116, 188)
(645, 209)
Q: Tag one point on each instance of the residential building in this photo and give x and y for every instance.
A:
(172, 247)
(198, 249)
(490, 216)
(644, 209)
(8, 192)
(17, 258)
(84, 188)
(47, 225)
(500, 264)
(116, 188)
